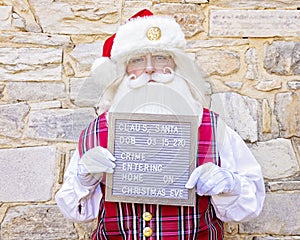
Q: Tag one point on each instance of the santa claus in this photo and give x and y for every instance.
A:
(149, 72)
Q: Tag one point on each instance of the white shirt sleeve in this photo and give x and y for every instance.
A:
(237, 157)
(77, 202)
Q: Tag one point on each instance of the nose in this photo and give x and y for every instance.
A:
(149, 65)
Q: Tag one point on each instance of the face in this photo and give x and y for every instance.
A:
(149, 64)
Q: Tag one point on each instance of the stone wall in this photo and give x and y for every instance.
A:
(250, 49)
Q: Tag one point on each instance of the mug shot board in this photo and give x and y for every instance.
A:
(155, 154)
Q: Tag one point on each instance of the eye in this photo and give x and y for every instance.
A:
(137, 60)
(161, 58)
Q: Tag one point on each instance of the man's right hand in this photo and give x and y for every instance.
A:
(93, 164)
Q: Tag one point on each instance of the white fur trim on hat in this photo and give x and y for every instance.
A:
(132, 36)
(98, 62)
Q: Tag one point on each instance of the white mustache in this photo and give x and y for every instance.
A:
(137, 82)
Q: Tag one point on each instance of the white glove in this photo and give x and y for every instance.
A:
(211, 179)
(93, 164)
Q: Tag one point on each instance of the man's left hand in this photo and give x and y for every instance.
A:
(211, 179)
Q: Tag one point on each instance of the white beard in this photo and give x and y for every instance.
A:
(169, 94)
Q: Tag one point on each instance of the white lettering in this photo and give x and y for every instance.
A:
(142, 167)
(127, 140)
(144, 191)
(168, 179)
(133, 127)
(178, 193)
(132, 156)
(132, 177)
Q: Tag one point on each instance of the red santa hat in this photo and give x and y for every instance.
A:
(147, 32)
(140, 33)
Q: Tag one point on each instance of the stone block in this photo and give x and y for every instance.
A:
(266, 114)
(45, 105)
(256, 3)
(273, 238)
(27, 174)
(252, 64)
(282, 57)
(239, 112)
(287, 111)
(63, 124)
(219, 42)
(280, 215)
(81, 58)
(296, 144)
(5, 17)
(234, 85)
(76, 17)
(277, 158)
(191, 24)
(254, 23)
(294, 85)
(36, 222)
(189, 16)
(196, 1)
(30, 91)
(284, 186)
(35, 38)
(268, 85)
(268, 125)
(218, 62)
(171, 8)
(23, 64)
(24, 18)
(12, 119)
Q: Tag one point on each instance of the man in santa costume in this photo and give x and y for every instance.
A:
(148, 68)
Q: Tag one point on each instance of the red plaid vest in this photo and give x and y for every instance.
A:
(125, 221)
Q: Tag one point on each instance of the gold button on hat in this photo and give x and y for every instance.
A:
(147, 216)
(153, 33)
(147, 231)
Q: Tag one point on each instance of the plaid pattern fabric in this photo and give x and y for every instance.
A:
(125, 221)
